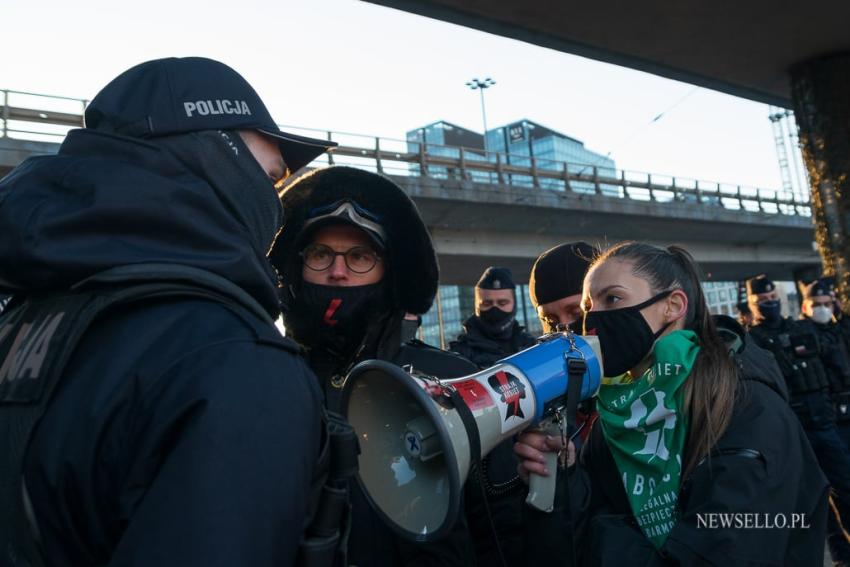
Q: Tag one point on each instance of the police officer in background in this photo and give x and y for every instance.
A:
(818, 318)
(556, 281)
(156, 416)
(355, 260)
(798, 350)
(493, 332)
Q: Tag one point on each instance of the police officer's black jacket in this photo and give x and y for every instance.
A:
(183, 432)
(473, 343)
(836, 361)
(798, 352)
(762, 464)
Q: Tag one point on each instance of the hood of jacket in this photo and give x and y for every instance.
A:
(105, 201)
(412, 273)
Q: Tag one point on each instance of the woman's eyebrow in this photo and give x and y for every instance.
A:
(608, 288)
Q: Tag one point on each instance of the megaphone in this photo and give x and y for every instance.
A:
(417, 434)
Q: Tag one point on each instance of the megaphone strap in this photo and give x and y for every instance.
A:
(576, 367)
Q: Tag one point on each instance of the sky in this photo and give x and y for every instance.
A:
(351, 66)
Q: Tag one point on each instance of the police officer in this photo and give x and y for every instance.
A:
(354, 258)
(492, 333)
(799, 353)
(818, 318)
(152, 412)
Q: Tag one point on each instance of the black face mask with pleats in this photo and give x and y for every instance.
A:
(624, 335)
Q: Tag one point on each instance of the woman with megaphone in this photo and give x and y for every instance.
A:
(696, 457)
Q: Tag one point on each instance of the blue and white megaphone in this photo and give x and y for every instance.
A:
(417, 436)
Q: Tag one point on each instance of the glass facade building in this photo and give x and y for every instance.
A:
(444, 139)
(524, 139)
(721, 297)
(518, 142)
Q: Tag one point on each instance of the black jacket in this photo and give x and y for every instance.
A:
(797, 349)
(834, 354)
(474, 343)
(762, 464)
(184, 432)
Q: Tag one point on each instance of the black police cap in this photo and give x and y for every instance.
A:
(760, 284)
(178, 95)
(495, 277)
(816, 288)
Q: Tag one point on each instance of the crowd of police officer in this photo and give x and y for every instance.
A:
(812, 353)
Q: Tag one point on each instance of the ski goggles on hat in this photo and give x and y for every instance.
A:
(347, 212)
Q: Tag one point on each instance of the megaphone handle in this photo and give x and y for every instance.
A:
(541, 489)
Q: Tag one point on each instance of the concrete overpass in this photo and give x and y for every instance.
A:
(475, 224)
(742, 48)
(483, 208)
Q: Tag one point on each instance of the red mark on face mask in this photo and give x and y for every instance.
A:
(331, 311)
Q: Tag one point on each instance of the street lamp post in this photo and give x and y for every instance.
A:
(481, 85)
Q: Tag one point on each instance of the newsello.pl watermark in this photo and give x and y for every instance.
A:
(751, 521)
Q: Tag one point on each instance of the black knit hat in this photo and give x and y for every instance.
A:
(495, 277)
(760, 284)
(411, 260)
(559, 272)
(171, 96)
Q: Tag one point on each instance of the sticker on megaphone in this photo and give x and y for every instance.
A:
(409, 420)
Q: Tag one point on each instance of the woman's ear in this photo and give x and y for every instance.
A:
(677, 306)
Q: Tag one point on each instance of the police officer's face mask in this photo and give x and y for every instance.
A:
(821, 314)
(496, 321)
(624, 335)
(770, 310)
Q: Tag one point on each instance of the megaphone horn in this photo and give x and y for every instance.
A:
(419, 435)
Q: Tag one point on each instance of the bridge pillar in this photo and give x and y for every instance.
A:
(820, 91)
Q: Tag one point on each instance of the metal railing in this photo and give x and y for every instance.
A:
(48, 118)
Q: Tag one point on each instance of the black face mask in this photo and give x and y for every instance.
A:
(771, 310)
(497, 323)
(334, 317)
(624, 335)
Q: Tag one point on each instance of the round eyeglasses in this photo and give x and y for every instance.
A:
(359, 259)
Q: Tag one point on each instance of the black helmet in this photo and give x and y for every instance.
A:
(378, 206)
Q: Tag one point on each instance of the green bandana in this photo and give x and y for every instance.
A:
(646, 430)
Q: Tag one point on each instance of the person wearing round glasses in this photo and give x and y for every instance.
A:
(354, 258)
